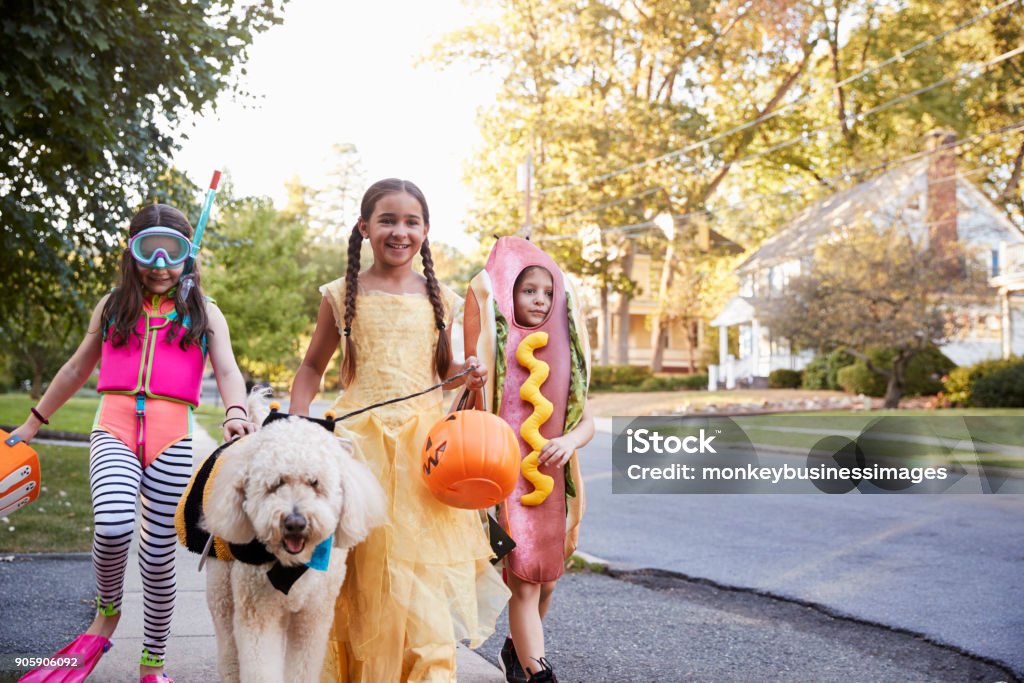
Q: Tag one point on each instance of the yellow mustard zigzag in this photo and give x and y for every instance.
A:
(542, 409)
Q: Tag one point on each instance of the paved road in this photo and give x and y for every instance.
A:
(657, 629)
(636, 628)
(944, 566)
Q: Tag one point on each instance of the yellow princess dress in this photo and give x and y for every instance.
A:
(424, 579)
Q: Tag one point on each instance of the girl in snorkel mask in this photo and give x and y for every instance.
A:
(151, 338)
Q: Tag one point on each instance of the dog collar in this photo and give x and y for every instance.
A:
(195, 538)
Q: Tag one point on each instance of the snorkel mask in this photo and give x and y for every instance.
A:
(162, 247)
(159, 247)
(188, 280)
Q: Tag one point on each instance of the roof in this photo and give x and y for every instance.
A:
(738, 310)
(891, 192)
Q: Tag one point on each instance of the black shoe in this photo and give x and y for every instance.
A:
(545, 675)
(510, 663)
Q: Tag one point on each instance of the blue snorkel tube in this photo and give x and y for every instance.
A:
(188, 279)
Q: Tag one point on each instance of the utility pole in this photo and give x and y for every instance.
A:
(525, 185)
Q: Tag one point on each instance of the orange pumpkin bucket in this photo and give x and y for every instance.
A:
(19, 474)
(471, 460)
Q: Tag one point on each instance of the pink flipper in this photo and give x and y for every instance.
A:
(88, 649)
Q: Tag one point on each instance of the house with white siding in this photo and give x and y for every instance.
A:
(930, 198)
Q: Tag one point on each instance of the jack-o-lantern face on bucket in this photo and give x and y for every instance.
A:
(471, 460)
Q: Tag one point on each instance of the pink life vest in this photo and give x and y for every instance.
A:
(152, 364)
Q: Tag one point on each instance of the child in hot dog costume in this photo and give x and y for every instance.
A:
(523, 319)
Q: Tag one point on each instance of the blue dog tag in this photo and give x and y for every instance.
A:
(321, 555)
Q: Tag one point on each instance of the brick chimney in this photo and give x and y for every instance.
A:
(941, 202)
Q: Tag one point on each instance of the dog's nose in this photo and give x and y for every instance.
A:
(294, 524)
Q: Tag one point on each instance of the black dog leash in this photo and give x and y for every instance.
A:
(440, 384)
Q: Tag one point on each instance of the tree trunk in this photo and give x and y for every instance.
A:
(659, 331)
(658, 339)
(605, 320)
(693, 340)
(622, 346)
(897, 379)
(37, 383)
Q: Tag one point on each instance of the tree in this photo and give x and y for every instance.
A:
(36, 341)
(738, 111)
(250, 268)
(632, 81)
(92, 94)
(335, 207)
(877, 287)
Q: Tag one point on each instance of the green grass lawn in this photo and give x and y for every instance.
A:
(802, 432)
(60, 520)
(76, 415)
(920, 412)
(210, 418)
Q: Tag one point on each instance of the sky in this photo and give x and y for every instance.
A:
(341, 71)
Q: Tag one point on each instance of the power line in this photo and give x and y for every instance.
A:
(635, 230)
(607, 205)
(971, 73)
(845, 175)
(765, 117)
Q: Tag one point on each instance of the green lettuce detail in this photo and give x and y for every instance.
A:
(577, 390)
(500, 368)
(577, 376)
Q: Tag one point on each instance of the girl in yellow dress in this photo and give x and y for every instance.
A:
(423, 580)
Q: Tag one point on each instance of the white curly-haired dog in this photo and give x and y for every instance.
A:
(291, 485)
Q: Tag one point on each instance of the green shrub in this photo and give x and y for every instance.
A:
(614, 376)
(626, 378)
(673, 383)
(656, 384)
(784, 379)
(961, 383)
(857, 379)
(694, 382)
(823, 371)
(1000, 389)
(815, 374)
(957, 386)
(924, 373)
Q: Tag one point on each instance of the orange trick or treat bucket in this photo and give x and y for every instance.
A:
(471, 459)
(19, 474)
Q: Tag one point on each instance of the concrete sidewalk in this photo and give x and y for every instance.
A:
(192, 649)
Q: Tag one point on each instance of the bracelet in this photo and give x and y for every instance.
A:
(237, 405)
(232, 418)
(39, 416)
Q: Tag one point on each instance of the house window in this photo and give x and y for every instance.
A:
(746, 341)
(995, 263)
(777, 278)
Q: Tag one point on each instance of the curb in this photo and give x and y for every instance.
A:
(51, 434)
(620, 571)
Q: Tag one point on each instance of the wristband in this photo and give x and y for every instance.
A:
(230, 419)
(39, 416)
(239, 406)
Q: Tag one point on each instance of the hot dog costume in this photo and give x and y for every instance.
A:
(545, 526)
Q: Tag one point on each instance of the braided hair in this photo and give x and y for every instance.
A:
(442, 350)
